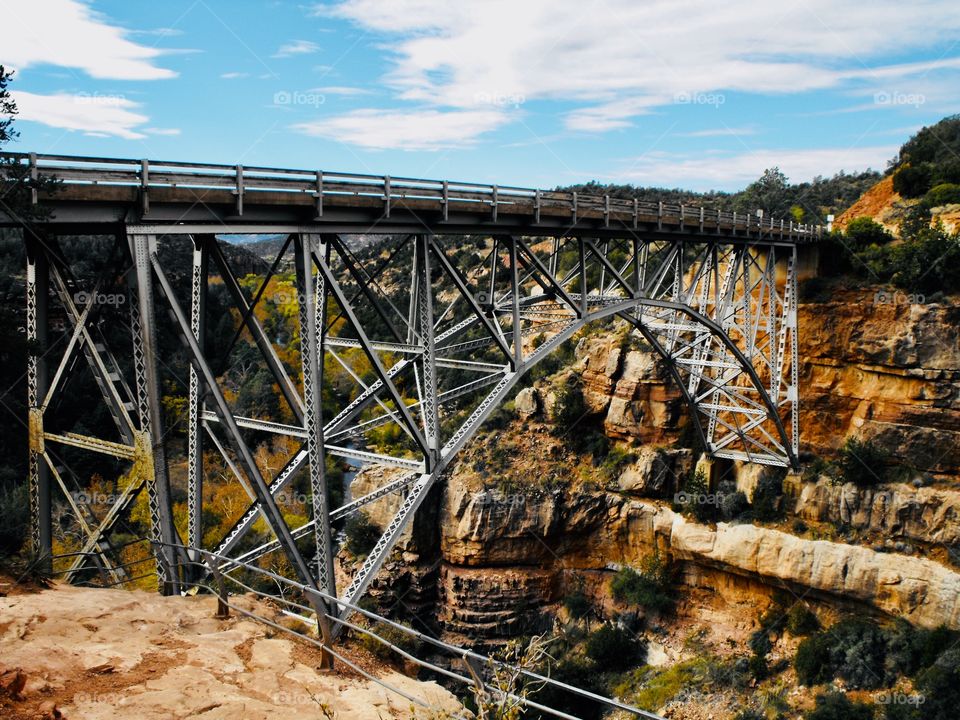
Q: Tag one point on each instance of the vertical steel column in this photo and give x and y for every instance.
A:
(515, 303)
(38, 279)
(312, 291)
(793, 321)
(198, 313)
(430, 410)
(151, 415)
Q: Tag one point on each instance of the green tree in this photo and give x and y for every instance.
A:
(837, 706)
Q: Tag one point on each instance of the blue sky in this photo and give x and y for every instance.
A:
(526, 92)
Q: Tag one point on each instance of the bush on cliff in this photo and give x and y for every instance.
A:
(615, 648)
(862, 462)
(651, 588)
(362, 534)
(837, 706)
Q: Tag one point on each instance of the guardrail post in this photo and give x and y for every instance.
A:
(718, 220)
(223, 607)
(734, 223)
(446, 200)
(701, 218)
(386, 196)
(319, 195)
(496, 200)
(34, 176)
(536, 209)
(239, 190)
(636, 213)
(144, 184)
(574, 201)
(606, 211)
(682, 212)
(660, 215)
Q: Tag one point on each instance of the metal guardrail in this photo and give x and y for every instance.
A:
(446, 195)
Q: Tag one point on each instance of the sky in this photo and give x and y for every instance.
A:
(536, 93)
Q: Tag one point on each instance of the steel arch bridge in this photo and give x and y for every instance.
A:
(429, 357)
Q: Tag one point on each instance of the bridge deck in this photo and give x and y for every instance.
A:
(108, 191)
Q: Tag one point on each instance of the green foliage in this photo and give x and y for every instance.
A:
(733, 502)
(837, 706)
(696, 499)
(801, 620)
(939, 685)
(578, 604)
(767, 506)
(393, 635)
(943, 194)
(569, 408)
(862, 462)
(614, 648)
(8, 108)
(812, 661)
(14, 518)
(863, 232)
(913, 649)
(362, 534)
(617, 458)
(651, 588)
(913, 181)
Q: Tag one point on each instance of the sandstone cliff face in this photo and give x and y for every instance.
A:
(926, 515)
(885, 370)
(504, 559)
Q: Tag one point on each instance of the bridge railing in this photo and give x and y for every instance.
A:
(443, 194)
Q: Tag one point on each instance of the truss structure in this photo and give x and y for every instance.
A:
(422, 360)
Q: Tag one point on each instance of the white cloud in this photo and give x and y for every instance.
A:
(91, 114)
(70, 34)
(234, 75)
(297, 47)
(415, 130)
(619, 58)
(720, 132)
(724, 170)
(170, 132)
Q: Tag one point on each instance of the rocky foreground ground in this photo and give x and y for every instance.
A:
(101, 654)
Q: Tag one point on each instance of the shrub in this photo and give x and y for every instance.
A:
(943, 194)
(695, 499)
(858, 653)
(913, 181)
(614, 648)
(939, 685)
(812, 661)
(749, 714)
(362, 534)
(760, 646)
(405, 641)
(862, 462)
(766, 505)
(569, 408)
(733, 502)
(14, 518)
(914, 649)
(863, 232)
(614, 463)
(651, 588)
(578, 604)
(801, 620)
(836, 706)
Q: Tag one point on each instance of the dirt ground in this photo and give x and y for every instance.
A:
(103, 654)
